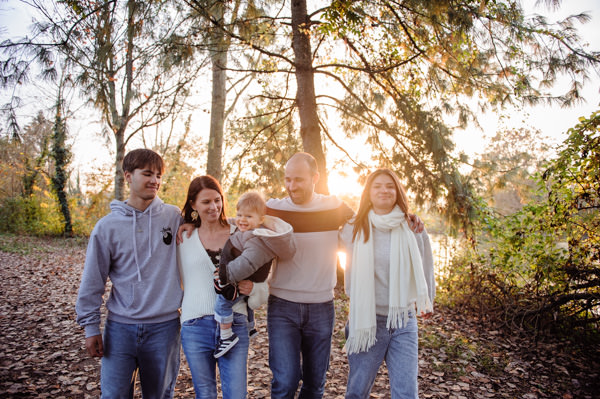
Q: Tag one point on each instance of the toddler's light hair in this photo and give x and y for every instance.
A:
(253, 201)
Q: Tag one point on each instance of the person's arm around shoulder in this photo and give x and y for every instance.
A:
(91, 291)
(184, 228)
(415, 223)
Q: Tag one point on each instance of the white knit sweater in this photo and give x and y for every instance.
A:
(196, 270)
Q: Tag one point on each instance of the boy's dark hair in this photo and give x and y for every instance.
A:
(143, 158)
(253, 201)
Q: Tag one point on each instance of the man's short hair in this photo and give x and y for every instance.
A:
(143, 158)
(308, 158)
(253, 201)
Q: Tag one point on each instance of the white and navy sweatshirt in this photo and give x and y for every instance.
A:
(310, 275)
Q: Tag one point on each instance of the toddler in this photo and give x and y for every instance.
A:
(248, 255)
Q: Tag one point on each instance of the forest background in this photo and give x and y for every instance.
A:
(233, 88)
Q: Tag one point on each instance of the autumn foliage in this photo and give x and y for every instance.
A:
(540, 267)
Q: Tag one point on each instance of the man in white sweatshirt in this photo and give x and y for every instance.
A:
(134, 246)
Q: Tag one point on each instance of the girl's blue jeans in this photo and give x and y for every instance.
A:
(399, 348)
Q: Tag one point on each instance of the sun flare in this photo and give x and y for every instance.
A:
(344, 184)
(342, 259)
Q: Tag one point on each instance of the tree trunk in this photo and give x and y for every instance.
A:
(218, 57)
(305, 95)
(121, 120)
(119, 176)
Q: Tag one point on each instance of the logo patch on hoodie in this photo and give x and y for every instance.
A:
(167, 235)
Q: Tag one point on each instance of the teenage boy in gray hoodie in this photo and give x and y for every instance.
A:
(134, 247)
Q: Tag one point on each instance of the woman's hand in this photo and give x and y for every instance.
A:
(245, 287)
(186, 227)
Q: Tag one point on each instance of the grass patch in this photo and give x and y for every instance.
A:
(30, 245)
(16, 244)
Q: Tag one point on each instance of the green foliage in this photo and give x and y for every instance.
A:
(129, 60)
(540, 267)
(178, 173)
(86, 213)
(411, 64)
(26, 202)
(24, 163)
(36, 215)
(502, 174)
(262, 145)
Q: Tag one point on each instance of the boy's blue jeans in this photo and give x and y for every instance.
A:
(152, 350)
(224, 310)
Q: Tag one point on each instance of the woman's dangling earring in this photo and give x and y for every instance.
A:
(194, 215)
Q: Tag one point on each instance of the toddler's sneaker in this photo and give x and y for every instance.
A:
(252, 333)
(225, 345)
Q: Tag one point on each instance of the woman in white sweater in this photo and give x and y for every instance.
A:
(389, 279)
(198, 255)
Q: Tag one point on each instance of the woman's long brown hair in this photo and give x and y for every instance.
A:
(361, 221)
(196, 185)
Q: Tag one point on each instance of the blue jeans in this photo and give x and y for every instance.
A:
(199, 339)
(224, 310)
(299, 346)
(399, 347)
(150, 349)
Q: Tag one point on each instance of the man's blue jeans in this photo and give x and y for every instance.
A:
(150, 349)
(299, 346)
(199, 339)
(399, 347)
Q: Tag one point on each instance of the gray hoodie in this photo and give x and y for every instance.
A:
(137, 251)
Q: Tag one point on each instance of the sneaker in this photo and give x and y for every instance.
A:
(225, 345)
(252, 333)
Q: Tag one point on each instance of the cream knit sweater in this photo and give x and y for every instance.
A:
(196, 270)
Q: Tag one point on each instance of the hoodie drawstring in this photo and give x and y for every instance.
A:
(149, 232)
(135, 254)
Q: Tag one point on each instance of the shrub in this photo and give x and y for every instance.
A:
(32, 215)
(540, 267)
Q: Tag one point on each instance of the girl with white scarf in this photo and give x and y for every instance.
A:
(389, 278)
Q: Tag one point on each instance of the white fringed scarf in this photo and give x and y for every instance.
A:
(407, 285)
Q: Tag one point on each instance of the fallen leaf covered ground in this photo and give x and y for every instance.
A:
(42, 353)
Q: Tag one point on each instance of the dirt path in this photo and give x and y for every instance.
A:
(42, 354)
